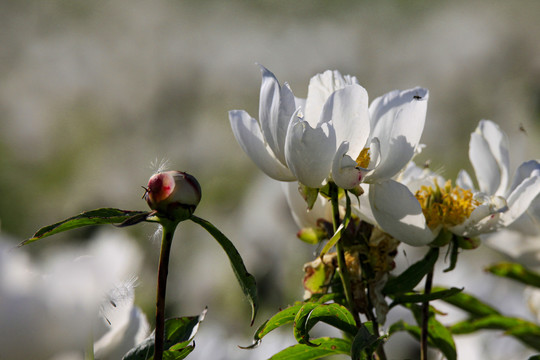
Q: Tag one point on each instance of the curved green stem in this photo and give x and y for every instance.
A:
(342, 264)
(163, 271)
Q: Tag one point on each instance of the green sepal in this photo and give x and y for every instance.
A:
(454, 252)
(420, 298)
(468, 243)
(179, 332)
(309, 194)
(325, 190)
(245, 279)
(469, 303)
(515, 272)
(407, 280)
(92, 217)
(312, 236)
(323, 347)
(442, 239)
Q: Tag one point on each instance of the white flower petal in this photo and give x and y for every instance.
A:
(525, 170)
(248, 134)
(464, 180)
(398, 122)
(347, 108)
(309, 151)
(276, 106)
(488, 152)
(399, 213)
(485, 218)
(300, 103)
(321, 86)
(521, 198)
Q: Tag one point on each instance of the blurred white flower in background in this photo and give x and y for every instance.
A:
(52, 306)
(125, 325)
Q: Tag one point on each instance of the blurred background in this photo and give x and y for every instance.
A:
(93, 95)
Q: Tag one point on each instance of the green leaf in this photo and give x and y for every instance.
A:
(419, 298)
(283, 317)
(92, 217)
(333, 314)
(245, 279)
(441, 338)
(469, 304)
(300, 330)
(323, 298)
(525, 331)
(528, 333)
(534, 357)
(312, 313)
(178, 354)
(179, 332)
(324, 347)
(407, 280)
(333, 240)
(289, 315)
(516, 272)
(365, 340)
(493, 322)
(403, 326)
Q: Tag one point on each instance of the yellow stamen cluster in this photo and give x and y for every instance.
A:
(447, 206)
(363, 158)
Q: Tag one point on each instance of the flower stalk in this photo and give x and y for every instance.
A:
(425, 318)
(163, 271)
(343, 272)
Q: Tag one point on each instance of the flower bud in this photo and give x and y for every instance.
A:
(174, 194)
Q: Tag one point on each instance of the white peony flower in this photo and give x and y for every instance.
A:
(293, 143)
(464, 210)
(500, 202)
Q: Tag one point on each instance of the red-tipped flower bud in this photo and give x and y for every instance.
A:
(174, 194)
